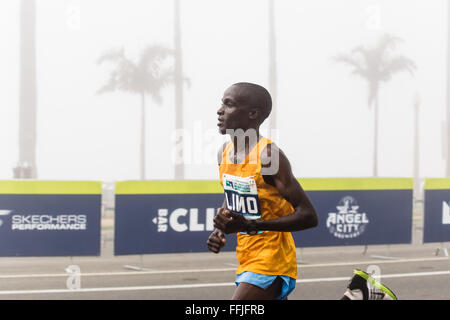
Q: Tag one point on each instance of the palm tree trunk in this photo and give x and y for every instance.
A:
(272, 65)
(143, 131)
(179, 164)
(375, 136)
(27, 106)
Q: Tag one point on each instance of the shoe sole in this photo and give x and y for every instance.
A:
(375, 283)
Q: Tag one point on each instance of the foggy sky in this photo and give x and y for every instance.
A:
(324, 124)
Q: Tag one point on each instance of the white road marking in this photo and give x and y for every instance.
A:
(383, 276)
(302, 266)
(205, 285)
(353, 263)
(384, 257)
(123, 273)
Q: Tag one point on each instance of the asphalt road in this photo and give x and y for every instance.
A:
(413, 272)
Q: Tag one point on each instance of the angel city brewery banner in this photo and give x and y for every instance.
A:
(177, 216)
(50, 218)
(359, 211)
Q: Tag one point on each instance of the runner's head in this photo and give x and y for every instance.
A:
(244, 106)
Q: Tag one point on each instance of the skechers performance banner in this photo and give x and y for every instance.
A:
(436, 226)
(50, 218)
(177, 216)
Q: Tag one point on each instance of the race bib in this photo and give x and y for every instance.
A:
(241, 195)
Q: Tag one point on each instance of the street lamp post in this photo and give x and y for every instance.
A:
(417, 188)
(272, 64)
(447, 123)
(26, 167)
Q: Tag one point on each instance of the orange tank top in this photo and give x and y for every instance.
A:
(246, 192)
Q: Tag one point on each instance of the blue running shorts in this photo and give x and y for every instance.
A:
(264, 281)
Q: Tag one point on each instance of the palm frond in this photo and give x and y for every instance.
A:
(155, 83)
(126, 74)
(395, 65)
(154, 54)
(113, 55)
(387, 42)
(361, 50)
(119, 73)
(148, 75)
(358, 66)
(111, 85)
(376, 63)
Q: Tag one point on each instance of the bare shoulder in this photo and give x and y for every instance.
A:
(274, 161)
(272, 153)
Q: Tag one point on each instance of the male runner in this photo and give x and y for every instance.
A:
(263, 202)
(267, 201)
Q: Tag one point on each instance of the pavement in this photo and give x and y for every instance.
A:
(413, 271)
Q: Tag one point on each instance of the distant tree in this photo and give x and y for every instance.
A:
(147, 76)
(376, 65)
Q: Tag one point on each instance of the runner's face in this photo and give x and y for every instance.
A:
(234, 111)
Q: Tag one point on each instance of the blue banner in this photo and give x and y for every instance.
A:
(39, 218)
(436, 225)
(359, 217)
(166, 223)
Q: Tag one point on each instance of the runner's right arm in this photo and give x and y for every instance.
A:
(216, 240)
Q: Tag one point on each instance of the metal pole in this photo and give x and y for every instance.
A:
(26, 167)
(272, 65)
(416, 147)
(179, 166)
(143, 138)
(447, 138)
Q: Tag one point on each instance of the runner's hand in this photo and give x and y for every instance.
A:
(230, 222)
(216, 241)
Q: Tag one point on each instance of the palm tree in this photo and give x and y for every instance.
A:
(144, 77)
(376, 65)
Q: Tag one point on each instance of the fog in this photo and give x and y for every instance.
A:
(323, 120)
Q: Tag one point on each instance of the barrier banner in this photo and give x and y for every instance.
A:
(166, 216)
(436, 224)
(50, 218)
(177, 216)
(359, 211)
